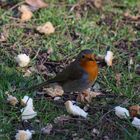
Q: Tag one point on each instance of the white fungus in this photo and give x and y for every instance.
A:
(136, 122)
(121, 112)
(109, 58)
(74, 109)
(22, 60)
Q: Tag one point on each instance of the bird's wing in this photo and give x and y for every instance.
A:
(71, 73)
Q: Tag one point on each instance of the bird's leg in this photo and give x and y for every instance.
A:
(84, 96)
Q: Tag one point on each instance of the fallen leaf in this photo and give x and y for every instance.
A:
(95, 94)
(74, 109)
(47, 28)
(50, 51)
(27, 73)
(36, 4)
(23, 135)
(81, 98)
(61, 119)
(131, 17)
(4, 35)
(54, 90)
(26, 13)
(109, 58)
(98, 3)
(134, 110)
(22, 60)
(99, 58)
(87, 96)
(118, 78)
(92, 95)
(12, 100)
(41, 68)
(47, 129)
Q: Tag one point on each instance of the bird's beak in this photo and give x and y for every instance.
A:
(91, 57)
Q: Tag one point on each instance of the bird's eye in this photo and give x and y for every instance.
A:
(83, 56)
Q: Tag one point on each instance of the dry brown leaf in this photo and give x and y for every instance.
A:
(87, 96)
(131, 17)
(61, 119)
(27, 73)
(134, 110)
(26, 13)
(47, 129)
(3, 36)
(99, 58)
(47, 28)
(36, 4)
(98, 3)
(92, 95)
(81, 98)
(54, 90)
(50, 51)
(118, 78)
(23, 135)
(12, 100)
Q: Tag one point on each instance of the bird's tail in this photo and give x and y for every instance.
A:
(35, 87)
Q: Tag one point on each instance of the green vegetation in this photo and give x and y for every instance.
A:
(75, 30)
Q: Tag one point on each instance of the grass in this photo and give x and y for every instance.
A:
(71, 35)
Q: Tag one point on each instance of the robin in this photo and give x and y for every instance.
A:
(78, 76)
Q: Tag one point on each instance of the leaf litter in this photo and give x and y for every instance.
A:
(28, 8)
(36, 4)
(47, 129)
(12, 100)
(26, 13)
(23, 135)
(116, 80)
(46, 28)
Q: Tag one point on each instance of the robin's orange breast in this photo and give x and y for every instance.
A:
(91, 68)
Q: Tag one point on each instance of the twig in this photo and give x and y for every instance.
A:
(18, 4)
(36, 54)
